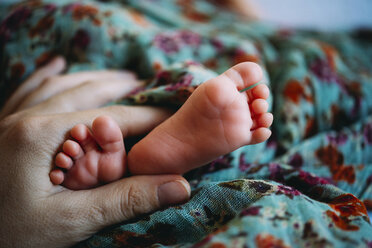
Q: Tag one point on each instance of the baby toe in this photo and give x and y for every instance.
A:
(82, 134)
(73, 149)
(63, 161)
(244, 74)
(56, 176)
(263, 120)
(107, 134)
(79, 132)
(260, 91)
(259, 106)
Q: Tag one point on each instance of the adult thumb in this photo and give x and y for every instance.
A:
(130, 197)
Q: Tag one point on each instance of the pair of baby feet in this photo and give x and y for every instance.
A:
(215, 120)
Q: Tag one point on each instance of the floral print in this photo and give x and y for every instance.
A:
(310, 185)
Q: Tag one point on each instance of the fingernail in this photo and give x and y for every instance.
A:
(174, 192)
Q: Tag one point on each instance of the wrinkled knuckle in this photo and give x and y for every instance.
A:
(132, 202)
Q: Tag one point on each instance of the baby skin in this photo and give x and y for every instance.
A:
(215, 120)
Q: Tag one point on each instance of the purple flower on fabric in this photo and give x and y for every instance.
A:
(187, 80)
(184, 81)
(50, 7)
(338, 139)
(357, 106)
(163, 78)
(369, 180)
(288, 191)
(368, 133)
(296, 160)
(252, 211)
(18, 17)
(276, 172)
(217, 44)
(322, 70)
(167, 43)
(13, 22)
(220, 163)
(312, 180)
(81, 39)
(189, 37)
(369, 244)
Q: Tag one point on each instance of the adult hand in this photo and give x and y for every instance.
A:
(34, 123)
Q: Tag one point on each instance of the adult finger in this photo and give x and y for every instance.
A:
(132, 120)
(56, 66)
(91, 94)
(126, 199)
(55, 85)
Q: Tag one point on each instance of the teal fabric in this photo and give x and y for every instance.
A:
(309, 185)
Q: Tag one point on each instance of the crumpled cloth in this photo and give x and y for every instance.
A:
(310, 185)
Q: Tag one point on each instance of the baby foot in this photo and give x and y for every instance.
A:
(215, 120)
(95, 157)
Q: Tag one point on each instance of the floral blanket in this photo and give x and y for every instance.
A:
(310, 185)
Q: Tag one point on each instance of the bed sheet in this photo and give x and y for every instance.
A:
(309, 185)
